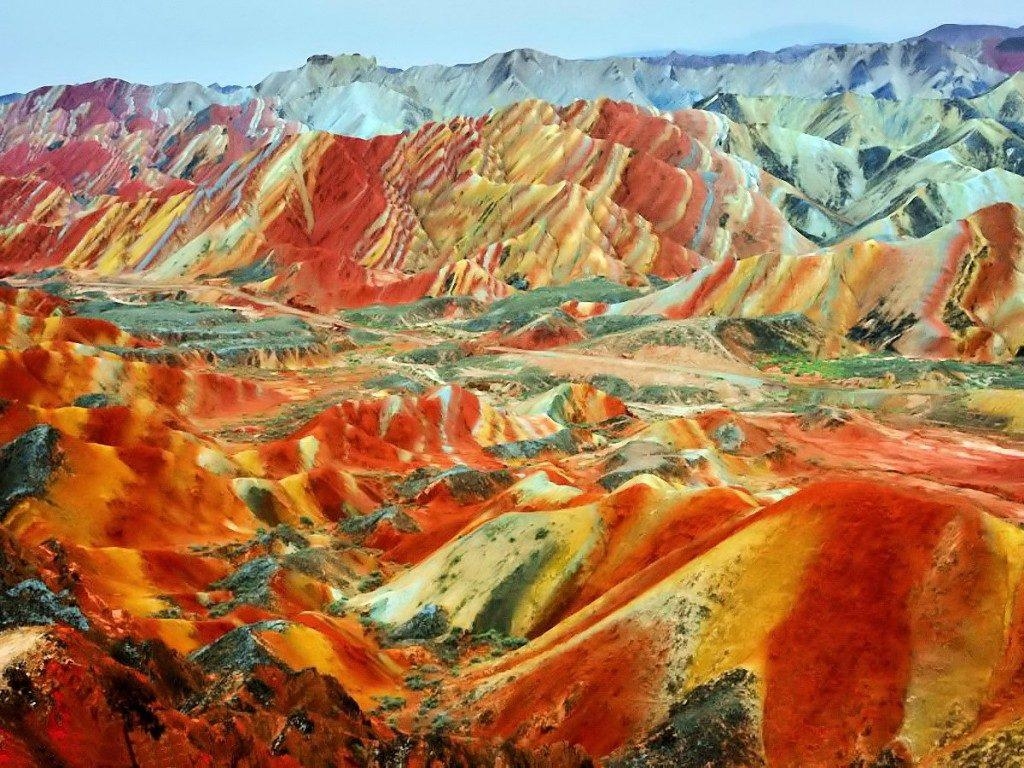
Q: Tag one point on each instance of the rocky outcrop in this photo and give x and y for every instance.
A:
(26, 464)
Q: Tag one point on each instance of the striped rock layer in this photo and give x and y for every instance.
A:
(835, 592)
(953, 293)
(530, 196)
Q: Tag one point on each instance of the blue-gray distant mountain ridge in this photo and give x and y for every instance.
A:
(880, 140)
(353, 94)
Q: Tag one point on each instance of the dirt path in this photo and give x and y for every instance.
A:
(641, 371)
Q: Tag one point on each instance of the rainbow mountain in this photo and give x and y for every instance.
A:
(640, 412)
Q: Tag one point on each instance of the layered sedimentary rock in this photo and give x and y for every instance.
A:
(554, 430)
(955, 292)
(494, 574)
(883, 168)
(529, 196)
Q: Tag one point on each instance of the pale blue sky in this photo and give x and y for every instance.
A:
(240, 41)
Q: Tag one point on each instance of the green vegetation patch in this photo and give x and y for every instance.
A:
(257, 272)
(445, 352)
(522, 308)
(396, 382)
(603, 325)
(190, 326)
(957, 373)
(390, 316)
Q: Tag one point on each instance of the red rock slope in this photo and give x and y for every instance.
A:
(529, 196)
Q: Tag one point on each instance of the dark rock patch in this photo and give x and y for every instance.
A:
(602, 325)
(467, 485)
(261, 502)
(522, 308)
(396, 382)
(663, 394)
(32, 603)
(879, 331)
(784, 334)
(613, 385)
(729, 437)
(824, 416)
(562, 441)
(501, 605)
(26, 464)
(95, 400)
(363, 525)
(240, 649)
(445, 352)
(715, 726)
(645, 457)
(429, 622)
(250, 584)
